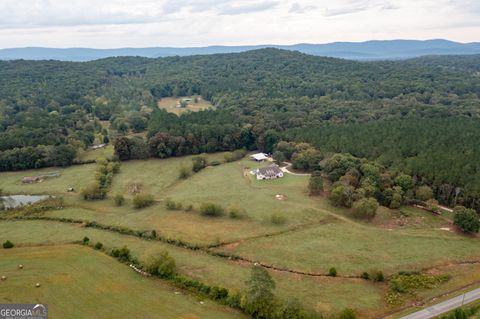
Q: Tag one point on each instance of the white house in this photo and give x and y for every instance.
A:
(259, 157)
(270, 172)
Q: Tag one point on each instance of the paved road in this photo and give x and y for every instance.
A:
(445, 306)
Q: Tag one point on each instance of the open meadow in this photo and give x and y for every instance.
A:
(298, 236)
(78, 282)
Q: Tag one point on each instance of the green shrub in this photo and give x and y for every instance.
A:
(466, 219)
(188, 208)
(332, 272)
(123, 254)
(211, 209)
(236, 212)
(347, 314)
(218, 293)
(365, 275)
(86, 240)
(278, 219)
(365, 208)
(423, 193)
(142, 200)
(215, 163)
(377, 275)
(8, 244)
(406, 282)
(228, 157)
(184, 172)
(163, 265)
(172, 205)
(393, 298)
(199, 163)
(93, 192)
(119, 200)
(234, 156)
(98, 246)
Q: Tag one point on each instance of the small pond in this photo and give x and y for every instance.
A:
(13, 201)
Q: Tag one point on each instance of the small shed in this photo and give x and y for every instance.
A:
(259, 157)
(31, 179)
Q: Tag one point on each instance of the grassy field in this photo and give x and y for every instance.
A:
(89, 155)
(78, 282)
(353, 250)
(213, 184)
(76, 176)
(152, 176)
(170, 104)
(321, 293)
(311, 236)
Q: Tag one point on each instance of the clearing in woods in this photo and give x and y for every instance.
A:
(182, 104)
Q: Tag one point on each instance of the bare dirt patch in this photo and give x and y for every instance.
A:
(135, 188)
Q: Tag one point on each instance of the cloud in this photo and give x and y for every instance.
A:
(357, 6)
(249, 8)
(220, 7)
(299, 8)
(45, 13)
(117, 23)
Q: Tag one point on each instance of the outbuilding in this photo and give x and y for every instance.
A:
(259, 157)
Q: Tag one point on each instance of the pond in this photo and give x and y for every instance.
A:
(13, 201)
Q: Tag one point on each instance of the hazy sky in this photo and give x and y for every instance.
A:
(143, 23)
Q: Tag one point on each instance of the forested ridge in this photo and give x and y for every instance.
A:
(419, 116)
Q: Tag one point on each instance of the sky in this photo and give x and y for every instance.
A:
(188, 23)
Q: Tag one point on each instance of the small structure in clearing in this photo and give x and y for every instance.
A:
(97, 146)
(269, 172)
(259, 157)
(40, 178)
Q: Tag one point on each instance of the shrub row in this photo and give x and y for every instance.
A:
(103, 179)
(407, 282)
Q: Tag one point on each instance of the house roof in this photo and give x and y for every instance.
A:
(272, 170)
(259, 156)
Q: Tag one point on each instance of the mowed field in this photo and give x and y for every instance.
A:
(321, 293)
(78, 282)
(76, 176)
(88, 155)
(227, 184)
(170, 104)
(311, 237)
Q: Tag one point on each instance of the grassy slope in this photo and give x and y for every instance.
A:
(353, 250)
(322, 293)
(88, 155)
(77, 282)
(76, 176)
(224, 184)
(326, 236)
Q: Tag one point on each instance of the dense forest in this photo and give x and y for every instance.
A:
(419, 117)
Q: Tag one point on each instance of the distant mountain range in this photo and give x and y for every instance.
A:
(369, 50)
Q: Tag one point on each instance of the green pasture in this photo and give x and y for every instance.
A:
(355, 249)
(78, 282)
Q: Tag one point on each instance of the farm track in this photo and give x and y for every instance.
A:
(273, 234)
